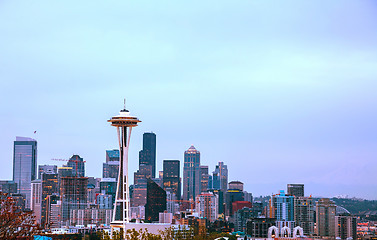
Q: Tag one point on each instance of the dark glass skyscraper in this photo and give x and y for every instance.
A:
(171, 178)
(191, 174)
(147, 156)
(24, 166)
(156, 201)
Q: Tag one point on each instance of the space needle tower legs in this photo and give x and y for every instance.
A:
(124, 124)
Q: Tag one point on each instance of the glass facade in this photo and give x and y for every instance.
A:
(78, 166)
(171, 177)
(191, 174)
(24, 166)
(147, 156)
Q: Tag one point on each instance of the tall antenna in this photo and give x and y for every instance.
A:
(124, 104)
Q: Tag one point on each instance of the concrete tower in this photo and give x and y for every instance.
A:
(124, 123)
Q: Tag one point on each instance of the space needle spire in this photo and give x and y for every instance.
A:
(124, 123)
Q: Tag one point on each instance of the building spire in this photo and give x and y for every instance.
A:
(124, 106)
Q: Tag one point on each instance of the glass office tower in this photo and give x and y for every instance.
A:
(24, 166)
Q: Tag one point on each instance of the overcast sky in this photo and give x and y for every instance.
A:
(281, 91)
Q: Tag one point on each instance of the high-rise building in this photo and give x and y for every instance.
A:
(282, 207)
(49, 187)
(296, 190)
(36, 199)
(53, 212)
(258, 227)
(63, 171)
(78, 165)
(304, 214)
(156, 201)
(147, 156)
(345, 227)
(108, 186)
(325, 217)
(112, 155)
(220, 177)
(191, 174)
(73, 194)
(50, 169)
(207, 205)
(111, 166)
(241, 217)
(139, 196)
(232, 195)
(171, 177)
(204, 179)
(24, 166)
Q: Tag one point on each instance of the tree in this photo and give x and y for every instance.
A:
(15, 223)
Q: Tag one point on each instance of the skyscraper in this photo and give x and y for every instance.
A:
(203, 179)
(191, 174)
(220, 177)
(296, 190)
(304, 214)
(206, 206)
(171, 177)
(24, 166)
(156, 201)
(325, 217)
(282, 207)
(36, 199)
(49, 187)
(147, 156)
(111, 166)
(78, 166)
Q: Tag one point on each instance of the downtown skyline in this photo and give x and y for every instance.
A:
(286, 92)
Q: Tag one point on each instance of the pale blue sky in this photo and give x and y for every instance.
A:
(281, 91)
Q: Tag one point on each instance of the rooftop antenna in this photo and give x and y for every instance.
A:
(124, 109)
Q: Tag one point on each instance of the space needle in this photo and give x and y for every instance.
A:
(124, 123)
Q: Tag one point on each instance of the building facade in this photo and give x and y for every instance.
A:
(204, 176)
(206, 205)
(171, 177)
(24, 166)
(36, 199)
(111, 166)
(191, 174)
(52, 169)
(73, 195)
(282, 207)
(296, 190)
(78, 166)
(325, 217)
(220, 177)
(156, 201)
(147, 156)
(304, 214)
(345, 227)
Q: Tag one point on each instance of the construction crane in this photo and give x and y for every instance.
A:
(67, 160)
